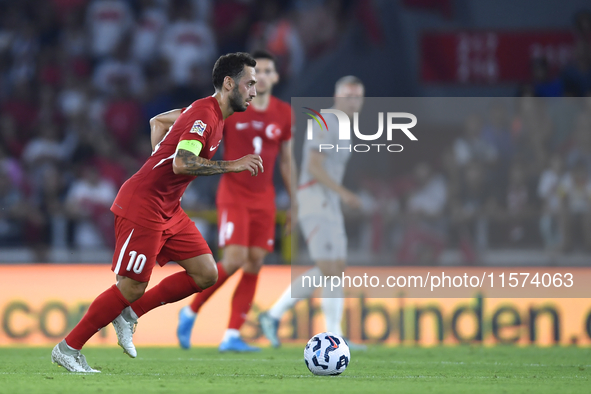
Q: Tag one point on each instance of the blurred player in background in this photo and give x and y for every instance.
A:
(319, 196)
(246, 205)
(151, 227)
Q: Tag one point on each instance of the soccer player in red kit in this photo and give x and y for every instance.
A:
(151, 227)
(246, 206)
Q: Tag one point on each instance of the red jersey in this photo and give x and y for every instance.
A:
(151, 197)
(262, 133)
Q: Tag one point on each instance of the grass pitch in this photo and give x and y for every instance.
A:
(379, 369)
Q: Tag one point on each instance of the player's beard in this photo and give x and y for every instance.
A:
(236, 101)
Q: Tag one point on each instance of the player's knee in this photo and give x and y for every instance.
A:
(232, 265)
(132, 290)
(253, 266)
(206, 278)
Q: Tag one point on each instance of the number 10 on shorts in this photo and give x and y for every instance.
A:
(136, 262)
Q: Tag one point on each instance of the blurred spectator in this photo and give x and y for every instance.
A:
(121, 68)
(582, 25)
(12, 214)
(88, 205)
(575, 192)
(496, 133)
(73, 39)
(580, 151)
(531, 130)
(519, 206)
(19, 221)
(544, 84)
(563, 113)
(331, 15)
(123, 115)
(423, 241)
(186, 43)
(231, 22)
(576, 75)
(48, 147)
(73, 97)
(146, 36)
(198, 85)
(22, 108)
(471, 146)
(9, 136)
(108, 21)
(112, 164)
(24, 49)
(11, 167)
(48, 199)
(469, 210)
(548, 192)
(276, 33)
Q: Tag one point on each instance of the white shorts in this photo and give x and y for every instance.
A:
(326, 238)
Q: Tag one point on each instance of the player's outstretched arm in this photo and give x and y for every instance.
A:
(187, 163)
(316, 169)
(287, 167)
(288, 172)
(160, 124)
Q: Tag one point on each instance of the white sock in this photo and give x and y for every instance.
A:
(129, 314)
(67, 349)
(187, 311)
(230, 333)
(332, 307)
(285, 301)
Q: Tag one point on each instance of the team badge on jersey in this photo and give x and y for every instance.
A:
(272, 131)
(198, 127)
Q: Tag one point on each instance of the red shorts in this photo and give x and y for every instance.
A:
(239, 225)
(138, 248)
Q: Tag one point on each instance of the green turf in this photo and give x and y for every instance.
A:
(379, 369)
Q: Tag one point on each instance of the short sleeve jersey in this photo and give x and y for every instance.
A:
(151, 197)
(335, 161)
(313, 197)
(258, 132)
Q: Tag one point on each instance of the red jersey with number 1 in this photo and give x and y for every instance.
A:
(262, 133)
(152, 196)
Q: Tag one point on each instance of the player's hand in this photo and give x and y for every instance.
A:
(350, 199)
(252, 163)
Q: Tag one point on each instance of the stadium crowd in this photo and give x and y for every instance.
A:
(79, 80)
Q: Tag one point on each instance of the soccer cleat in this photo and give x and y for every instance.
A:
(125, 330)
(237, 344)
(270, 327)
(75, 362)
(183, 331)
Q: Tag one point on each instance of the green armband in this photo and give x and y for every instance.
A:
(192, 146)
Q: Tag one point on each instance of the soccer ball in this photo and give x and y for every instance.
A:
(327, 354)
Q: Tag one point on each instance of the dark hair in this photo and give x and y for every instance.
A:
(231, 65)
(262, 54)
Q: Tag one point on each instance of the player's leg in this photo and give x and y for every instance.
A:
(316, 232)
(184, 244)
(135, 249)
(234, 258)
(233, 239)
(200, 272)
(242, 301)
(332, 302)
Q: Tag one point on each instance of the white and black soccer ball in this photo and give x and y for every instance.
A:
(327, 354)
